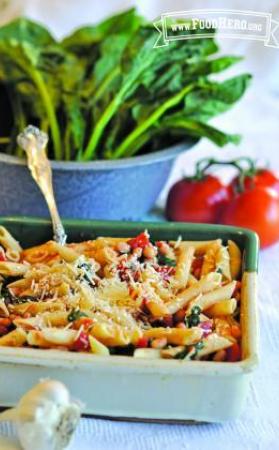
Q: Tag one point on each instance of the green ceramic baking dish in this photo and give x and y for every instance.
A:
(123, 387)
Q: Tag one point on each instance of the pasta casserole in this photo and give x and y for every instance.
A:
(123, 296)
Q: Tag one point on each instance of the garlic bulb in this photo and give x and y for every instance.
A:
(45, 417)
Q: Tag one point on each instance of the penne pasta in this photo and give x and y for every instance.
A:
(52, 337)
(30, 323)
(12, 269)
(191, 280)
(13, 255)
(112, 335)
(97, 347)
(201, 246)
(212, 344)
(165, 299)
(208, 299)
(223, 262)
(35, 308)
(176, 336)
(183, 265)
(57, 336)
(65, 252)
(209, 259)
(37, 254)
(222, 308)
(170, 353)
(15, 338)
(235, 259)
(207, 283)
(147, 353)
(157, 308)
(8, 241)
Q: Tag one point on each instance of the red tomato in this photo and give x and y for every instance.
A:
(81, 343)
(263, 178)
(140, 241)
(233, 353)
(192, 200)
(2, 255)
(142, 342)
(257, 209)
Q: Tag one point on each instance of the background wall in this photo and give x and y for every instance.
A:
(256, 117)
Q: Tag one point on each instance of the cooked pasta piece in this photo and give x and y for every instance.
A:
(65, 252)
(176, 336)
(12, 269)
(206, 284)
(209, 259)
(172, 352)
(8, 241)
(112, 335)
(223, 262)
(235, 259)
(15, 338)
(97, 347)
(210, 298)
(201, 246)
(183, 266)
(52, 337)
(222, 308)
(38, 254)
(157, 308)
(13, 255)
(147, 353)
(191, 280)
(212, 344)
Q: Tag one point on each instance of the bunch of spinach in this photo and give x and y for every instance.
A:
(105, 92)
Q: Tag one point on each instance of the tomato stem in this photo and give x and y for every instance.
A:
(204, 164)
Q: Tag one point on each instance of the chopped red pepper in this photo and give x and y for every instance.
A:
(234, 353)
(81, 343)
(86, 322)
(179, 316)
(144, 305)
(197, 266)
(2, 255)
(237, 288)
(167, 321)
(142, 342)
(140, 241)
(3, 330)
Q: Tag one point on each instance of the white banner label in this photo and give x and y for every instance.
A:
(227, 23)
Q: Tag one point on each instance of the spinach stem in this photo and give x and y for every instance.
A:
(53, 123)
(141, 63)
(67, 144)
(99, 127)
(22, 124)
(103, 86)
(19, 117)
(170, 103)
